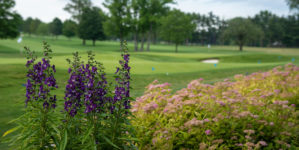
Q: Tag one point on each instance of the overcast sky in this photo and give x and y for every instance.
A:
(46, 10)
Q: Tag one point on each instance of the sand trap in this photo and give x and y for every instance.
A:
(210, 61)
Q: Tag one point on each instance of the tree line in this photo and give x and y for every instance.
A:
(147, 22)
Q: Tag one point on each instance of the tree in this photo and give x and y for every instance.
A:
(34, 25)
(291, 31)
(293, 4)
(156, 9)
(43, 29)
(272, 27)
(69, 28)
(135, 22)
(9, 21)
(56, 27)
(242, 31)
(91, 27)
(118, 23)
(176, 27)
(76, 7)
(26, 25)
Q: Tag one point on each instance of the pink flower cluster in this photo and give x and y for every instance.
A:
(250, 112)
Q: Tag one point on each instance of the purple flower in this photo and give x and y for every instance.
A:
(40, 82)
(74, 92)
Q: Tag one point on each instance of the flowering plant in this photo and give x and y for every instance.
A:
(252, 112)
(96, 113)
(38, 125)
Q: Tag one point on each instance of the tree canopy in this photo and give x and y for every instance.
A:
(43, 29)
(9, 21)
(56, 27)
(69, 28)
(177, 27)
(91, 25)
(294, 4)
(76, 7)
(118, 23)
(272, 27)
(242, 31)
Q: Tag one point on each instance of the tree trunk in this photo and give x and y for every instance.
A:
(93, 42)
(241, 47)
(187, 42)
(84, 42)
(136, 41)
(155, 38)
(176, 48)
(142, 42)
(149, 35)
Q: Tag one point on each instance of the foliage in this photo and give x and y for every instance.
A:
(119, 20)
(209, 28)
(9, 21)
(177, 27)
(272, 27)
(37, 128)
(242, 31)
(76, 7)
(43, 29)
(96, 113)
(150, 13)
(291, 36)
(91, 25)
(257, 111)
(30, 25)
(69, 28)
(294, 4)
(56, 27)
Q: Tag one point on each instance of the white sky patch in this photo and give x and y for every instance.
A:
(47, 10)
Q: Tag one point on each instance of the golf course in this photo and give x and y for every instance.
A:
(161, 64)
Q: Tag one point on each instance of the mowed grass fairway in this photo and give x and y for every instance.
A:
(161, 64)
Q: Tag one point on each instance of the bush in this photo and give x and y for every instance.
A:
(253, 112)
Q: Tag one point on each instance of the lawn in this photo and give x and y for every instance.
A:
(160, 63)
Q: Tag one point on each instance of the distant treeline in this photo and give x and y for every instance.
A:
(276, 31)
(153, 21)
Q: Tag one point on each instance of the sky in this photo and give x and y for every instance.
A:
(47, 10)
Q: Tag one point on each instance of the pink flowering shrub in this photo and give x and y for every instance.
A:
(252, 112)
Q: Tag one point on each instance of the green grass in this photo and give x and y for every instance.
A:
(181, 67)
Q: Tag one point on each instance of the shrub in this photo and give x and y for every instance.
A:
(253, 112)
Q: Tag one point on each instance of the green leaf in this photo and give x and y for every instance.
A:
(87, 135)
(64, 140)
(108, 141)
(129, 139)
(10, 131)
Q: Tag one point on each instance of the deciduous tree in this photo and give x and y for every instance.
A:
(118, 23)
(43, 29)
(76, 7)
(69, 28)
(241, 31)
(177, 27)
(56, 27)
(9, 21)
(91, 25)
